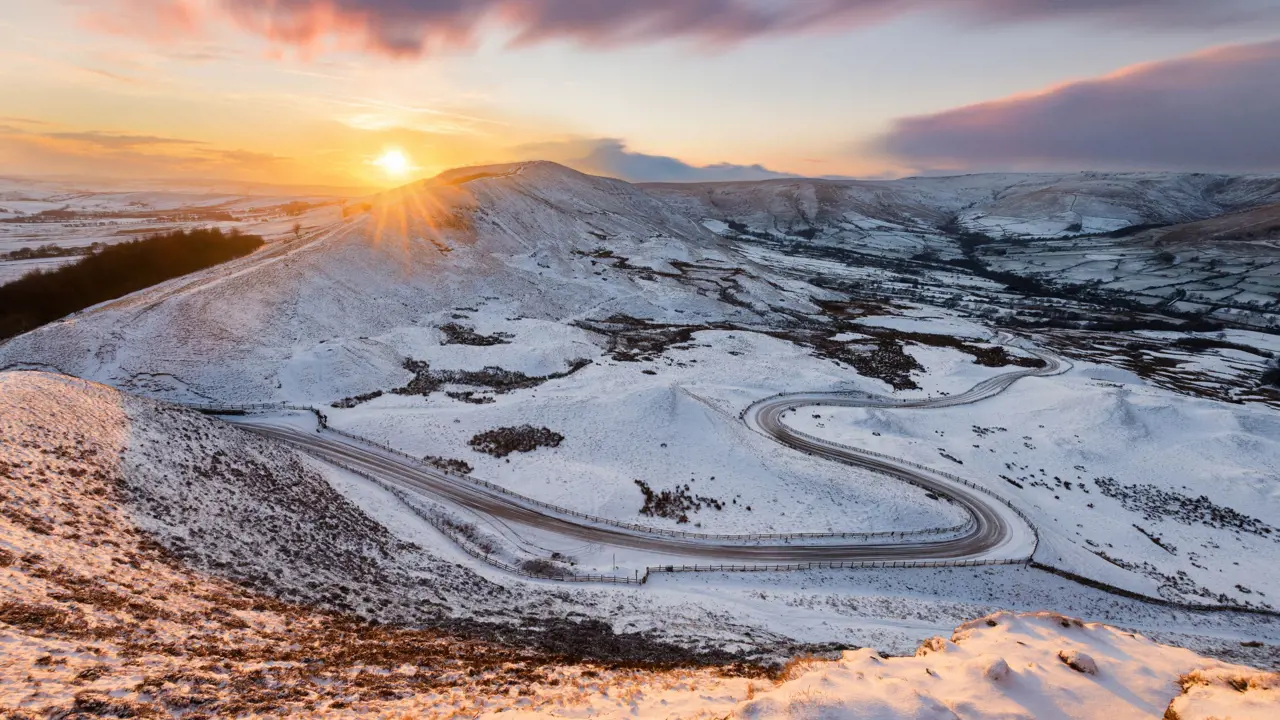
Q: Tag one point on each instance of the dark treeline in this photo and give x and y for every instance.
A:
(49, 251)
(42, 296)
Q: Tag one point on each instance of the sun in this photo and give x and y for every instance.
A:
(395, 163)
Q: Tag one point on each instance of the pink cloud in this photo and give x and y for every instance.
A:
(1214, 110)
(153, 19)
(418, 27)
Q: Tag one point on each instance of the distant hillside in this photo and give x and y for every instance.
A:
(335, 313)
(1030, 205)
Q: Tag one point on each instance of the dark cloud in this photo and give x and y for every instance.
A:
(416, 27)
(1215, 110)
(610, 157)
(112, 141)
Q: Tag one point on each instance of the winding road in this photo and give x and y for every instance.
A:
(995, 520)
(997, 532)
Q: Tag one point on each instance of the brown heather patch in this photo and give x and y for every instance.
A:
(42, 619)
(204, 646)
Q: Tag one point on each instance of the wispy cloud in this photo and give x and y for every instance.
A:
(155, 19)
(370, 114)
(114, 141)
(12, 120)
(418, 27)
(120, 155)
(244, 157)
(1214, 110)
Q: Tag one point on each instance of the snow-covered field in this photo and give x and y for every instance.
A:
(669, 422)
(1239, 281)
(36, 213)
(1129, 484)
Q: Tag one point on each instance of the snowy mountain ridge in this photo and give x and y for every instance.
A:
(350, 299)
(989, 202)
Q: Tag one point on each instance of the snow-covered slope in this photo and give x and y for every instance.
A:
(223, 501)
(1128, 484)
(336, 312)
(1179, 244)
(1093, 202)
(157, 563)
(108, 499)
(1025, 205)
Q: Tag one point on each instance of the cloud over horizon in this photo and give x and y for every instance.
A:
(410, 28)
(1214, 110)
(611, 158)
(122, 155)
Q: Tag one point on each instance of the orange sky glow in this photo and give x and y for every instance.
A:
(335, 94)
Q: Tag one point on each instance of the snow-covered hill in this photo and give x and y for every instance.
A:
(225, 502)
(336, 312)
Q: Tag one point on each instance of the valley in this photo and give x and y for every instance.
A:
(656, 428)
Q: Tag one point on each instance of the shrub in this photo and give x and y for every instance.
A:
(461, 467)
(674, 504)
(455, 334)
(544, 568)
(524, 438)
(354, 400)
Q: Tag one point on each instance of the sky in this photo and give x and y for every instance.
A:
(374, 93)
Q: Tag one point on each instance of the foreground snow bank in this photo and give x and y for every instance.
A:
(1006, 665)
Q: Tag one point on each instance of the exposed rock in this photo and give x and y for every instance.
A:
(1078, 661)
(933, 644)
